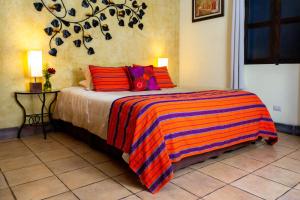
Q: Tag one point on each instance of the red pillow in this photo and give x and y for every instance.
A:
(142, 78)
(163, 78)
(108, 79)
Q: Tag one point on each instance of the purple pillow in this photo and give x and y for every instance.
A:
(142, 78)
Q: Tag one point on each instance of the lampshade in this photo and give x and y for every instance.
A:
(35, 61)
(163, 62)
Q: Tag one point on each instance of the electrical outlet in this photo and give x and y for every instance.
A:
(276, 108)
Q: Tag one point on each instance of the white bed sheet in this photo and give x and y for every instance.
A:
(90, 110)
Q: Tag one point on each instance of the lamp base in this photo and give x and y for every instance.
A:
(35, 87)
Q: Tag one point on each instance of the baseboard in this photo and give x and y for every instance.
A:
(290, 129)
(9, 133)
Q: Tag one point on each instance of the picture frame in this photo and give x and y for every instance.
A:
(207, 9)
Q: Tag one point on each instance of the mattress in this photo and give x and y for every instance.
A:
(90, 110)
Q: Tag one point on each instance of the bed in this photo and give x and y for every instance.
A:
(158, 130)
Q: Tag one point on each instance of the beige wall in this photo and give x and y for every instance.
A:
(204, 49)
(204, 55)
(22, 30)
(279, 86)
(205, 63)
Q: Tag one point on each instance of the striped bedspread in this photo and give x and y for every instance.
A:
(157, 130)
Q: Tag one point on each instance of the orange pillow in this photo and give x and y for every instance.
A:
(162, 77)
(108, 79)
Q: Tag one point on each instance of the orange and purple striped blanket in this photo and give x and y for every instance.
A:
(158, 130)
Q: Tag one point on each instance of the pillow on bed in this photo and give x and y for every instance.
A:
(142, 78)
(88, 78)
(85, 84)
(135, 65)
(109, 79)
(163, 78)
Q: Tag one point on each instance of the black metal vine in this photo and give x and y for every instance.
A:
(64, 20)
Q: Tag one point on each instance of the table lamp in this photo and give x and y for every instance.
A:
(36, 69)
(163, 62)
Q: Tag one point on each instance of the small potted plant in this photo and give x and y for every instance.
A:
(48, 72)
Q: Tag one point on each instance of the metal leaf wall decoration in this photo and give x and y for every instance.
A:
(65, 20)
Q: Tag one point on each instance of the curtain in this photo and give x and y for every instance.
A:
(237, 45)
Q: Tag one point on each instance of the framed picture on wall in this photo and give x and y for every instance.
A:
(207, 9)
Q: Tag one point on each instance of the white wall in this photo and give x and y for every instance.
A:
(279, 86)
(204, 49)
(205, 63)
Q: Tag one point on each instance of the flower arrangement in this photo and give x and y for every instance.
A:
(48, 72)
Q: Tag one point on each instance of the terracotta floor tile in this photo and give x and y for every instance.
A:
(19, 162)
(183, 172)
(67, 164)
(261, 187)
(268, 153)
(66, 140)
(282, 135)
(95, 157)
(64, 196)
(198, 183)
(57, 154)
(14, 153)
(45, 146)
(223, 172)
(113, 168)
(295, 155)
(34, 139)
(291, 195)
(27, 174)
(279, 175)
(8, 140)
(6, 194)
(8, 146)
(74, 163)
(230, 193)
(81, 148)
(3, 184)
(288, 163)
(203, 164)
(132, 197)
(81, 177)
(244, 163)
(131, 182)
(289, 141)
(58, 136)
(39, 189)
(169, 192)
(107, 189)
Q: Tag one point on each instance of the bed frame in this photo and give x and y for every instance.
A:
(97, 143)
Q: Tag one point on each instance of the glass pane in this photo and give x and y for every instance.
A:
(290, 41)
(259, 10)
(290, 8)
(259, 43)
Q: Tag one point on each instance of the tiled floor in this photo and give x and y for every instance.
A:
(62, 168)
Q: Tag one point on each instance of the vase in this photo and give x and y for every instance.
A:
(47, 85)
